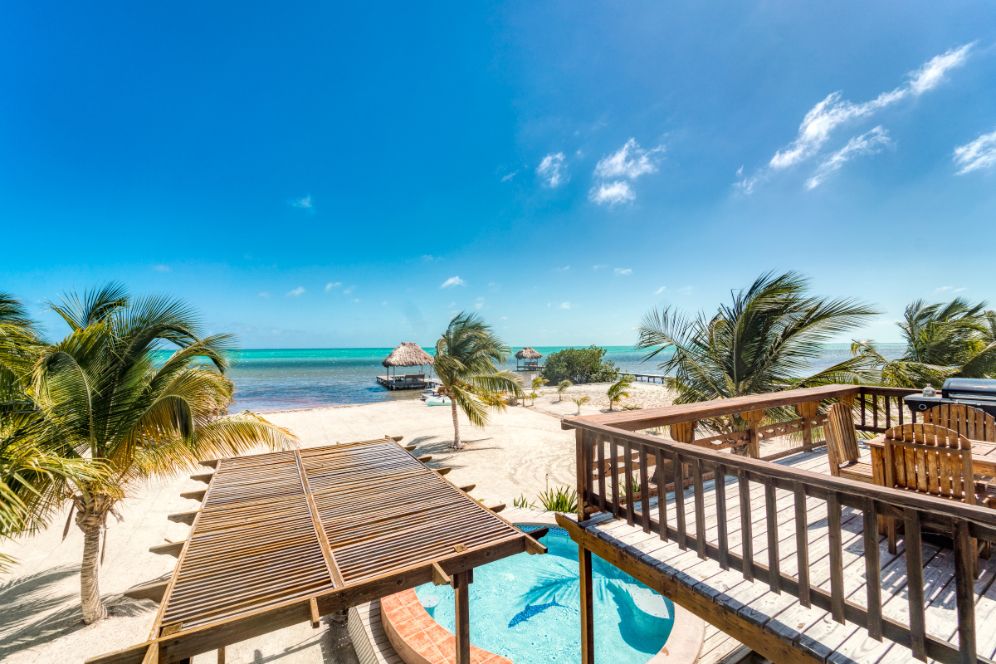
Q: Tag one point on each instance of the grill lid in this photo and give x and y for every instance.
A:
(980, 389)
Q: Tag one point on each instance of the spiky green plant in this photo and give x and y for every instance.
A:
(580, 401)
(766, 339)
(562, 388)
(943, 340)
(102, 399)
(467, 355)
(559, 499)
(619, 390)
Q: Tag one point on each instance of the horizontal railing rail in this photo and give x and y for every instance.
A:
(651, 465)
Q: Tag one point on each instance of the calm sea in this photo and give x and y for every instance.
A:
(281, 379)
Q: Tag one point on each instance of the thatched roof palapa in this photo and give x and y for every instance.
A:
(407, 354)
(528, 353)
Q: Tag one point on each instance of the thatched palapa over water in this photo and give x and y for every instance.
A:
(407, 354)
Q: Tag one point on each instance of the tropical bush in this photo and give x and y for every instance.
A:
(522, 502)
(943, 340)
(579, 365)
(768, 338)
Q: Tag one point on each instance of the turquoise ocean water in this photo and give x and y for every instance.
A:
(281, 379)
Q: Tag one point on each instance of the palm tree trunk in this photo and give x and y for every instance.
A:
(457, 445)
(90, 514)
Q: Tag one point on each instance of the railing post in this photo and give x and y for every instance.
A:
(807, 411)
(753, 418)
(579, 458)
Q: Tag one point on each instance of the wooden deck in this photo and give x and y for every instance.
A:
(809, 629)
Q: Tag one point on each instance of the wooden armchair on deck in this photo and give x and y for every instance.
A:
(970, 422)
(842, 446)
(930, 459)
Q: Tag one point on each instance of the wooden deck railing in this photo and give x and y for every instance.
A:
(652, 464)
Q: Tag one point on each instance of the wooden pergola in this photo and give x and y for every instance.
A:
(288, 537)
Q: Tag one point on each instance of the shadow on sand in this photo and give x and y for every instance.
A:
(32, 613)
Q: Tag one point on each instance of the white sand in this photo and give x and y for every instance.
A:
(519, 452)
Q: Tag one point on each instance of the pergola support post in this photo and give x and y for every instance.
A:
(587, 617)
(461, 596)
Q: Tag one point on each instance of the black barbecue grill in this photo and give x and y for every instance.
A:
(976, 392)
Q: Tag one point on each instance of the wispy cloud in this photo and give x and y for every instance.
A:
(630, 162)
(348, 290)
(552, 169)
(509, 176)
(566, 305)
(332, 285)
(976, 155)
(303, 203)
(612, 193)
(598, 266)
(614, 173)
(429, 258)
(296, 292)
(453, 281)
(264, 294)
(942, 290)
(870, 142)
(661, 290)
(622, 271)
(833, 111)
(479, 303)
(562, 268)
(162, 267)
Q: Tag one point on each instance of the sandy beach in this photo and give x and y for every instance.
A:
(520, 452)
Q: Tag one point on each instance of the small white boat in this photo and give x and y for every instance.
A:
(437, 401)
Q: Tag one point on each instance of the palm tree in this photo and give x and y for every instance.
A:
(580, 401)
(104, 398)
(956, 338)
(467, 355)
(768, 338)
(562, 387)
(619, 390)
(26, 469)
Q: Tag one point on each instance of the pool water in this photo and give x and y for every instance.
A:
(527, 608)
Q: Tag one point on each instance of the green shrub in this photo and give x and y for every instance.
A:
(559, 499)
(522, 502)
(579, 365)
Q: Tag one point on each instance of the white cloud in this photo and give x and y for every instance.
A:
(931, 74)
(660, 291)
(565, 305)
(976, 155)
(348, 290)
(948, 289)
(622, 271)
(833, 111)
(870, 142)
(429, 258)
(296, 292)
(509, 176)
(562, 268)
(264, 294)
(612, 193)
(453, 281)
(162, 267)
(600, 266)
(332, 285)
(630, 162)
(479, 303)
(553, 169)
(303, 203)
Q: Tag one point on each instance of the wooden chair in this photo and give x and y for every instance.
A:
(970, 422)
(929, 459)
(842, 446)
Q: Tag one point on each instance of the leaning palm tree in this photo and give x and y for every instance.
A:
(767, 338)
(619, 390)
(562, 387)
(103, 398)
(943, 340)
(467, 355)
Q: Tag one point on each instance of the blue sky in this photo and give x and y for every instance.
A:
(308, 174)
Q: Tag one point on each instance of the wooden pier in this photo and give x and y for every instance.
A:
(406, 382)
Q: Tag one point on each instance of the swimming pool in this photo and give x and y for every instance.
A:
(527, 608)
